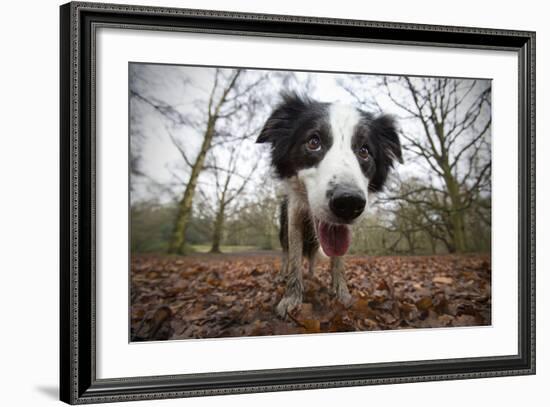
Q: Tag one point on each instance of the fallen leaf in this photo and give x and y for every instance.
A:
(236, 295)
(442, 280)
(424, 304)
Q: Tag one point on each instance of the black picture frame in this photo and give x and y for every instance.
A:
(78, 382)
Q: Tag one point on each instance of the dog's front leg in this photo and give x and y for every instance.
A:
(312, 262)
(293, 276)
(281, 277)
(339, 285)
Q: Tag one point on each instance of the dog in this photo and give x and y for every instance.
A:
(329, 157)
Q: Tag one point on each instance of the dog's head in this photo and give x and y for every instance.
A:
(338, 153)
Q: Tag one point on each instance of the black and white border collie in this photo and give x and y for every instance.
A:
(329, 157)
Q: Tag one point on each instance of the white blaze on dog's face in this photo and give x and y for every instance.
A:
(339, 169)
(335, 152)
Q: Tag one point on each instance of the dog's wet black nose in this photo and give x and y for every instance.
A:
(347, 204)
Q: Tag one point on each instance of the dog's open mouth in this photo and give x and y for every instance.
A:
(335, 239)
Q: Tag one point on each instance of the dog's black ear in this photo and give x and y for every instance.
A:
(264, 136)
(384, 130)
(278, 124)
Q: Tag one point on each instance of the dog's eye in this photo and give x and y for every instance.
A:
(363, 152)
(314, 143)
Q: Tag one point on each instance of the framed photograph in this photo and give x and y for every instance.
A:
(255, 203)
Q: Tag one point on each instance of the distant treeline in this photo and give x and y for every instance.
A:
(152, 226)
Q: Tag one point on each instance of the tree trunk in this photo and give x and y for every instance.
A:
(218, 224)
(178, 243)
(458, 231)
(218, 230)
(410, 242)
(456, 215)
(433, 243)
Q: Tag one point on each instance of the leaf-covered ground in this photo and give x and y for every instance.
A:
(207, 296)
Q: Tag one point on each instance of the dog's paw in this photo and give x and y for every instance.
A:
(345, 298)
(340, 290)
(279, 277)
(288, 304)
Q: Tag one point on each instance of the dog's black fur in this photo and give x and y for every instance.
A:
(287, 129)
(296, 116)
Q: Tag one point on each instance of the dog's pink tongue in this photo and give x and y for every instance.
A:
(334, 239)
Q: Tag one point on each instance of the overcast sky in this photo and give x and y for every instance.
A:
(187, 89)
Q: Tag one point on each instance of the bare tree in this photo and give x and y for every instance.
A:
(415, 211)
(446, 132)
(256, 220)
(217, 100)
(230, 182)
(233, 92)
